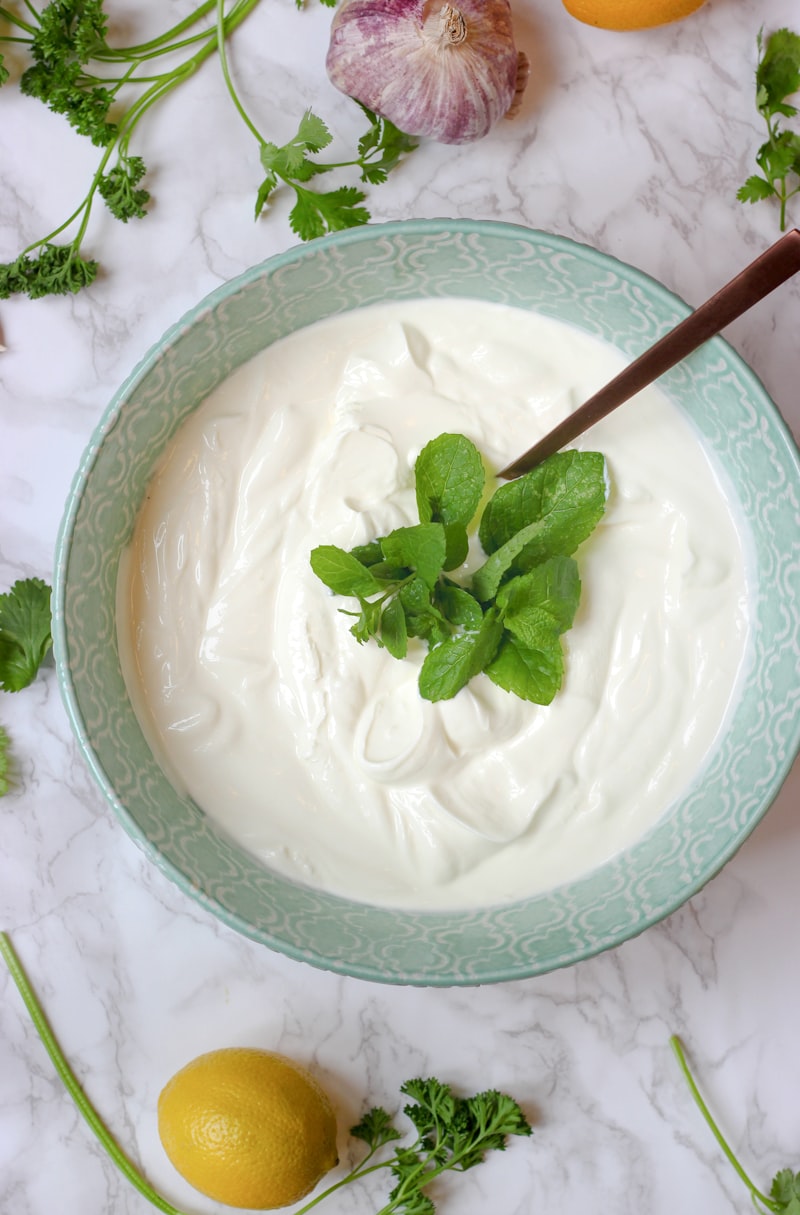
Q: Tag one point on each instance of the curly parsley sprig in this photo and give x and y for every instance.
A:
(453, 1133)
(778, 158)
(77, 73)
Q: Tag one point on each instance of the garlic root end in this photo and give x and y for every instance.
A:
(523, 75)
(452, 26)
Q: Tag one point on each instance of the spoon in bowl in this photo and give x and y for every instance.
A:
(757, 280)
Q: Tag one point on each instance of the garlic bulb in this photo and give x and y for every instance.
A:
(432, 69)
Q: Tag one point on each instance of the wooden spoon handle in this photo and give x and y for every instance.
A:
(762, 276)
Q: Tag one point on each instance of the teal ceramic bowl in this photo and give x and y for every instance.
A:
(442, 258)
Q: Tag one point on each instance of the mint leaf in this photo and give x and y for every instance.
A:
(394, 632)
(368, 554)
(342, 572)
(567, 493)
(459, 606)
(531, 674)
(368, 620)
(508, 621)
(415, 596)
(451, 665)
(421, 548)
(553, 588)
(457, 545)
(449, 480)
(487, 578)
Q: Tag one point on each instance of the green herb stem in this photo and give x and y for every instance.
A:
(71, 1083)
(15, 19)
(677, 1047)
(145, 49)
(226, 73)
(355, 1174)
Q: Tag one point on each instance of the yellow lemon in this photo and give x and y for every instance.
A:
(247, 1127)
(630, 14)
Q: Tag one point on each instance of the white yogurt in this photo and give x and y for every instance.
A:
(318, 754)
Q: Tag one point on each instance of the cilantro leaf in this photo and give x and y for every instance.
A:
(755, 189)
(4, 72)
(778, 73)
(314, 214)
(312, 132)
(777, 78)
(24, 632)
(786, 1188)
(381, 147)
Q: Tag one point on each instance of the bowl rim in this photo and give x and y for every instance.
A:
(292, 256)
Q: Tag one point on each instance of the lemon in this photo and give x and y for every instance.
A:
(630, 14)
(247, 1127)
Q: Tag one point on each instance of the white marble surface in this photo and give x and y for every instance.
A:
(636, 144)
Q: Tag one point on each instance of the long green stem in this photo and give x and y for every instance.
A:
(226, 74)
(70, 1082)
(144, 49)
(675, 1043)
(355, 1174)
(160, 87)
(14, 19)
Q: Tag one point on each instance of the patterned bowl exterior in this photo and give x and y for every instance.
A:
(439, 258)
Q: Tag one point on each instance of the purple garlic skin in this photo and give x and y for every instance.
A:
(435, 70)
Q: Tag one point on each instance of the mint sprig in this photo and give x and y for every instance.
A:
(508, 619)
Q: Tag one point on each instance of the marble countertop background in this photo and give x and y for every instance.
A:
(634, 143)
